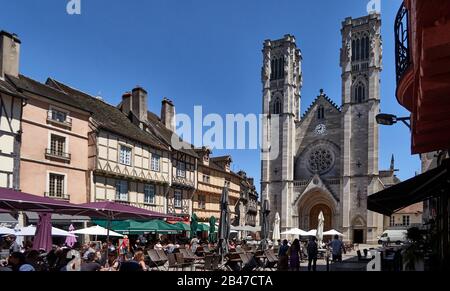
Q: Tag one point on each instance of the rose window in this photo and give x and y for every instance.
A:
(320, 160)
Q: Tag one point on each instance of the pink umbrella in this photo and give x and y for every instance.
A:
(71, 240)
(43, 238)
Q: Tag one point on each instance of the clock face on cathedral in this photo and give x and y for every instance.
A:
(321, 129)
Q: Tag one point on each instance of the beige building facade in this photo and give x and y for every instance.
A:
(11, 106)
(213, 175)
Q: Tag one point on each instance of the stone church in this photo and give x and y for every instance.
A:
(328, 158)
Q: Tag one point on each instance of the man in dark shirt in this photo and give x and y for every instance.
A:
(312, 254)
(13, 245)
(90, 265)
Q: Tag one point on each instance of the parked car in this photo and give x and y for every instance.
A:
(397, 236)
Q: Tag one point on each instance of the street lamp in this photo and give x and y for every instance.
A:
(389, 119)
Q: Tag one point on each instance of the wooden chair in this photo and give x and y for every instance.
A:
(173, 264)
(181, 261)
(163, 257)
(155, 260)
(207, 264)
(271, 261)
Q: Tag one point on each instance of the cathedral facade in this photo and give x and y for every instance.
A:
(327, 159)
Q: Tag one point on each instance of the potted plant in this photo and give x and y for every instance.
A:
(414, 254)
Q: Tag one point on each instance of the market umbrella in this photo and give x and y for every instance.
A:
(312, 232)
(97, 231)
(212, 229)
(296, 231)
(333, 232)
(71, 240)
(43, 239)
(5, 230)
(31, 230)
(194, 225)
(319, 235)
(276, 236)
(265, 225)
(224, 224)
(113, 211)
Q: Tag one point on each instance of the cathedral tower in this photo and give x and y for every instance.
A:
(281, 78)
(361, 63)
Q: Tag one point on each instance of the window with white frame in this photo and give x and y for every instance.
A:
(121, 190)
(125, 155)
(406, 220)
(149, 194)
(57, 115)
(392, 221)
(56, 185)
(155, 164)
(178, 199)
(57, 145)
(201, 201)
(206, 178)
(181, 170)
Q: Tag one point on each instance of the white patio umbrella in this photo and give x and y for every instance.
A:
(276, 229)
(320, 229)
(312, 232)
(97, 231)
(6, 231)
(31, 231)
(332, 232)
(296, 231)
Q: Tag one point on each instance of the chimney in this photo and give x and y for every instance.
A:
(126, 103)
(168, 114)
(9, 54)
(139, 104)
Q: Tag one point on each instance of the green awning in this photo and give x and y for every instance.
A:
(140, 227)
(182, 226)
(202, 227)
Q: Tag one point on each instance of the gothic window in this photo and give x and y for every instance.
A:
(360, 49)
(321, 113)
(359, 93)
(277, 66)
(353, 50)
(366, 47)
(277, 106)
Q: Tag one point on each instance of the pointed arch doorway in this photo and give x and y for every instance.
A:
(314, 217)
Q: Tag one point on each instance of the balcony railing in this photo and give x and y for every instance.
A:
(182, 181)
(51, 153)
(58, 196)
(402, 52)
(54, 119)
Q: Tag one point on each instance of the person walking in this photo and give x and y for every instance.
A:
(283, 258)
(313, 250)
(294, 256)
(337, 247)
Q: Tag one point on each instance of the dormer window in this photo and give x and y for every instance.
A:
(59, 117)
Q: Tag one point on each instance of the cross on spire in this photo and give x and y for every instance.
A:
(359, 115)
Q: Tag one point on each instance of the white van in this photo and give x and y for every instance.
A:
(397, 236)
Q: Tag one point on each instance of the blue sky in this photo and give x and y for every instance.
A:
(199, 52)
